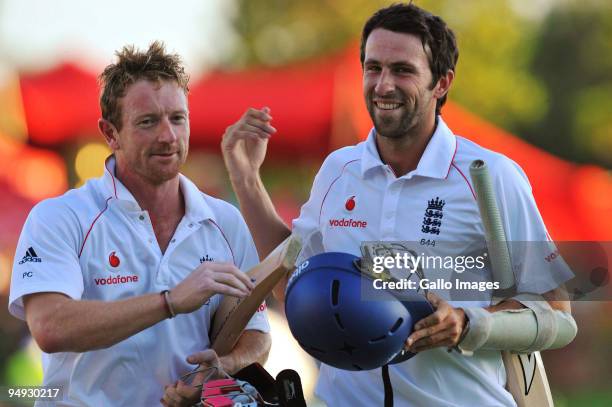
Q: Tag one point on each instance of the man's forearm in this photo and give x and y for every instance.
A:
(557, 299)
(266, 226)
(62, 324)
(525, 323)
(505, 305)
(253, 346)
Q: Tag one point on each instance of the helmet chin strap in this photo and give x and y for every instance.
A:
(387, 385)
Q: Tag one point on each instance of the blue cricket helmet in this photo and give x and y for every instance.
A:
(333, 323)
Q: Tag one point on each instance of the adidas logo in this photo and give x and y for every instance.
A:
(30, 256)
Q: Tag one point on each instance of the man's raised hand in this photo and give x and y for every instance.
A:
(245, 142)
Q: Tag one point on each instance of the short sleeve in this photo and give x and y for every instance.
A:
(530, 247)
(46, 259)
(307, 225)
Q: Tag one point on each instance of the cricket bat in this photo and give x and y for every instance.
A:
(526, 376)
(233, 313)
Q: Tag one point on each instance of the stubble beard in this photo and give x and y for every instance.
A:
(159, 174)
(393, 127)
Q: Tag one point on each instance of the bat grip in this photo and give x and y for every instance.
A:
(499, 256)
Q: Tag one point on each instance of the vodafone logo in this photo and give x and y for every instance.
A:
(350, 203)
(348, 223)
(113, 260)
(262, 307)
(114, 280)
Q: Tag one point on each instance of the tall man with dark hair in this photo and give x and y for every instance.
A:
(120, 277)
(410, 158)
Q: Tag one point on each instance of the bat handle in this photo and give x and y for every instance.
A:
(499, 255)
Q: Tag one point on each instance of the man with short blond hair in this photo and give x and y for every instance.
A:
(121, 277)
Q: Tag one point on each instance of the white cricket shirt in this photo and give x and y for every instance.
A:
(96, 243)
(356, 197)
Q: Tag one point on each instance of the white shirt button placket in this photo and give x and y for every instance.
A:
(389, 210)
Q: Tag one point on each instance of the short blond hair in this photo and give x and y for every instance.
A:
(132, 65)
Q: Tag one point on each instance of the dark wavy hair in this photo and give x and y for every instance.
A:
(437, 38)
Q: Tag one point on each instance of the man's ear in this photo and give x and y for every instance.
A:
(109, 131)
(444, 84)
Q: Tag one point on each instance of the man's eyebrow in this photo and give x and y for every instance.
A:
(144, 115)
(397, 64)
(404, 64)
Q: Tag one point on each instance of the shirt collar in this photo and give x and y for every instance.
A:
(196, 207)
(370, 157)
(435, 161)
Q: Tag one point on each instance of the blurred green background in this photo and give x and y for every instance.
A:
(539, 69)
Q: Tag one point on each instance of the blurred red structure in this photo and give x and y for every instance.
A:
(317, 106)
(27, 175)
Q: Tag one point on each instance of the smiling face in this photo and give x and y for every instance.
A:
(397, 83)
(154, 138)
